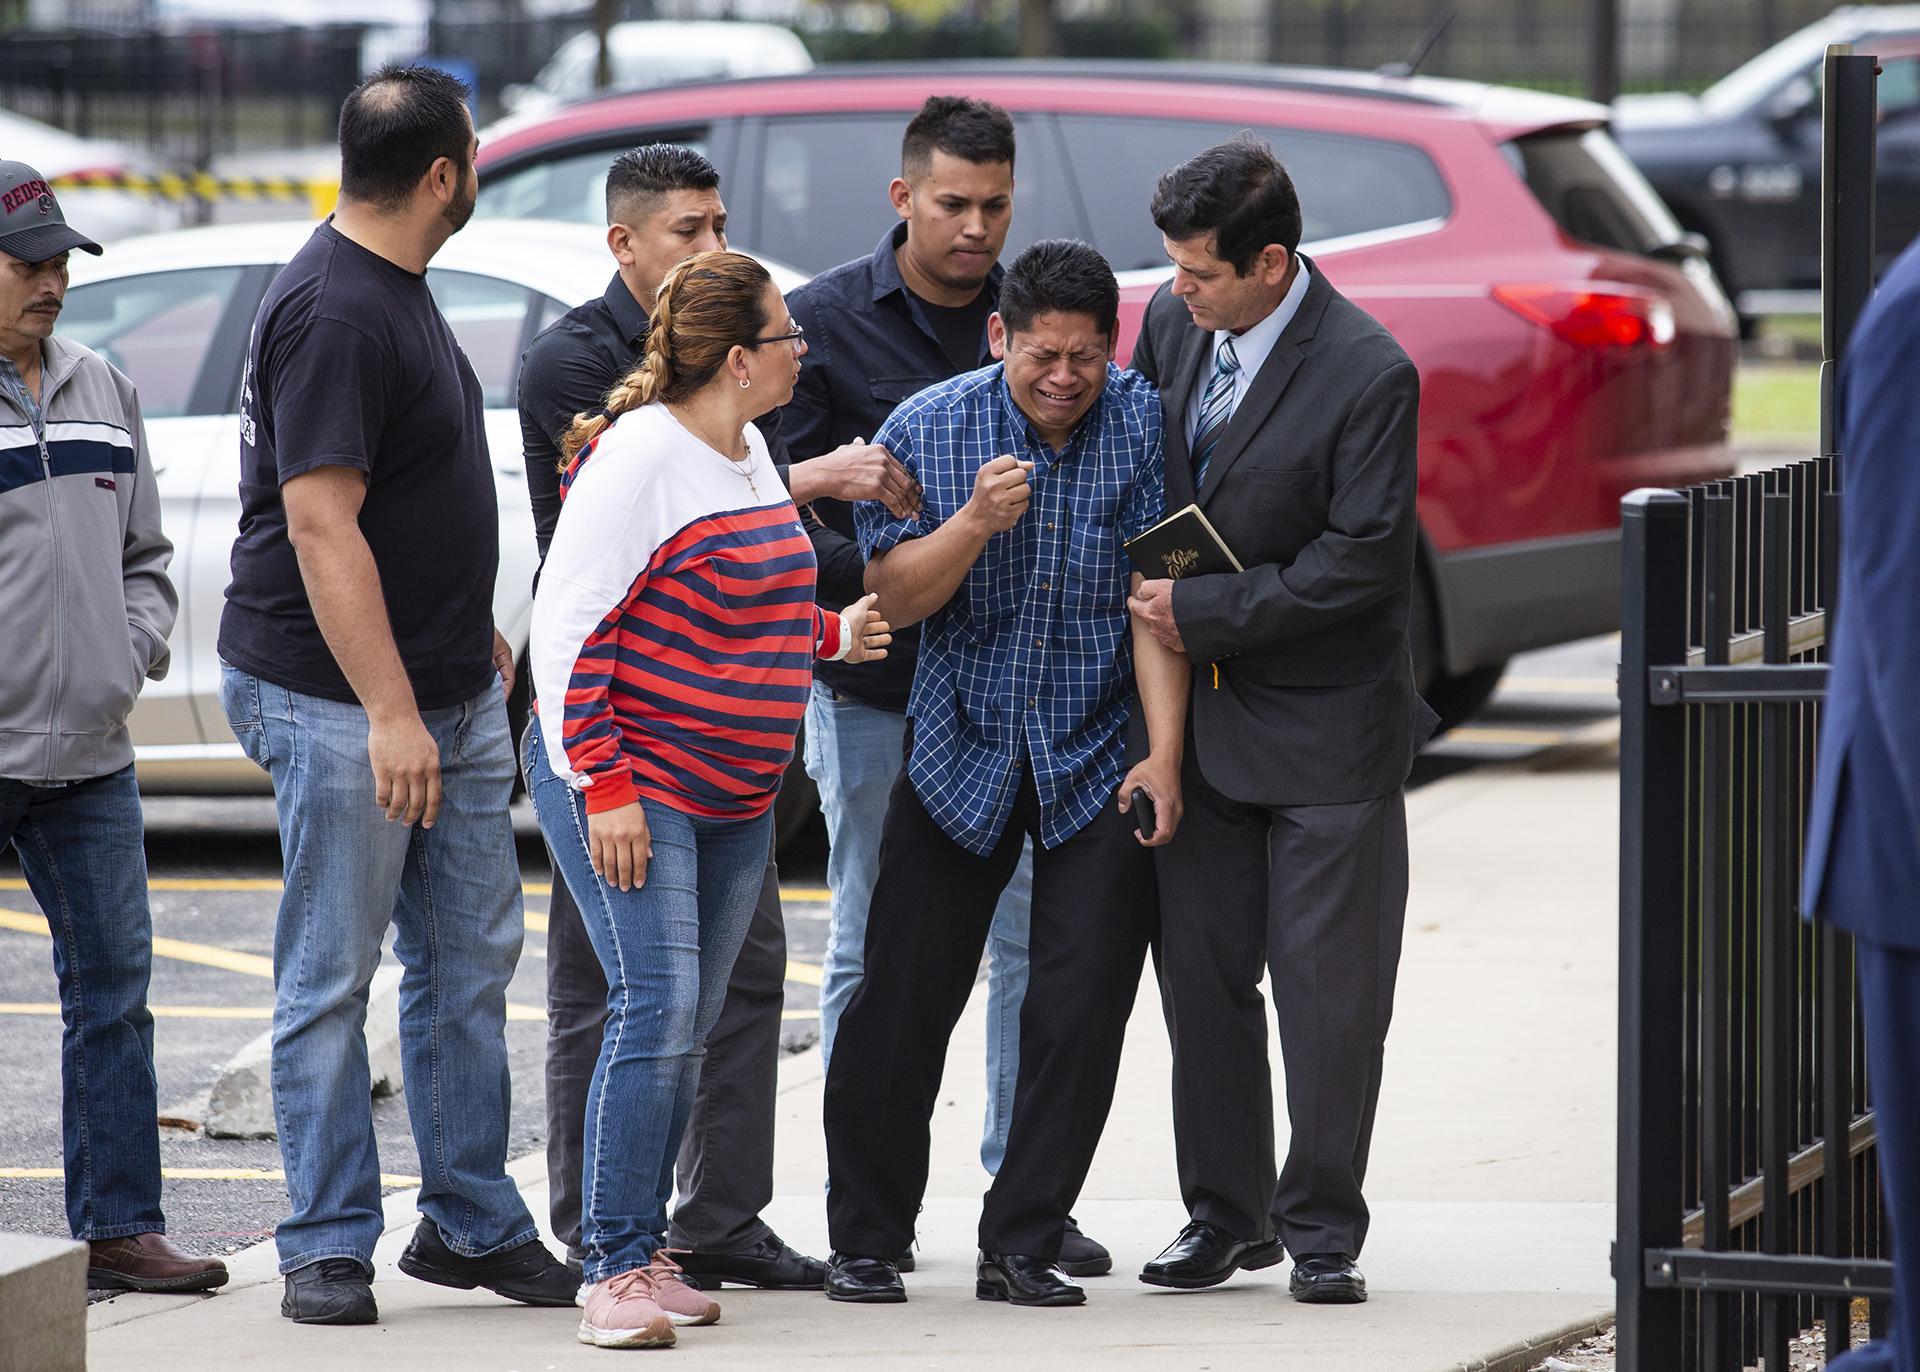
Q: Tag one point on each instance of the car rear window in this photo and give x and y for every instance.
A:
(1348, 184)
(1592, 191)
(571, 186)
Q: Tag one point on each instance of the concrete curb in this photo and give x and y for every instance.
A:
(1529, 1352)
(240, 1105)
(43, 1292)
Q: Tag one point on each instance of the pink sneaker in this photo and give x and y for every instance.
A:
(684, 1304)
(625, 1312)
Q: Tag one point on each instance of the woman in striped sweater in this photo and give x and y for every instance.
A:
(674, 634)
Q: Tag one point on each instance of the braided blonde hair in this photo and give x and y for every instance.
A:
(708, 305)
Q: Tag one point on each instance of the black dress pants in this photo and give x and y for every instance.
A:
(1093, 913)
(1315, 896)
(725, 1168)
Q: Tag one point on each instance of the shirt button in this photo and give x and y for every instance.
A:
(1039, 643)
(1033, 704)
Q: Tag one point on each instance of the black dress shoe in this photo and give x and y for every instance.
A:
(770, 1265)
(905, 1262)
(1021, 1280)
(1206, 1255)
(1326, 1279)
(527, 1272)
(864, 1281)
(331, 1291)
(1081, 1256)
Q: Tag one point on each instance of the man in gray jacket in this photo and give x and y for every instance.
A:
(85, 607)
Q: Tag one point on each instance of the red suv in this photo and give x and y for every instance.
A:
(1572, 344)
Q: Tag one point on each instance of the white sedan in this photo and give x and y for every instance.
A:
(173, 312)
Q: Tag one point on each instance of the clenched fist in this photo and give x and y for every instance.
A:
(1001, 493)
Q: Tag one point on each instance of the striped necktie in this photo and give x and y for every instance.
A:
(1216, 411)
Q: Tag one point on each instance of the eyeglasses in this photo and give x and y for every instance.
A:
(799, 335)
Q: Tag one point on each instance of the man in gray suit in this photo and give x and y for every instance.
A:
(1290, 422)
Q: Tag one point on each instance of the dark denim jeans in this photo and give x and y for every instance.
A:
(668, 948)
(452, 895)
(80, 847)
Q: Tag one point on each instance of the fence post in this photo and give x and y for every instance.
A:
(1847, 119)
(1653, 839)
(1603, 50)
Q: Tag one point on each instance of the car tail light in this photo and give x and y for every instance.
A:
(1600, 316)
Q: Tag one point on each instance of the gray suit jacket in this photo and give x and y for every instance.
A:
(1303, 681)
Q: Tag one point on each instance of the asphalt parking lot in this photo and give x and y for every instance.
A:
(215, 866)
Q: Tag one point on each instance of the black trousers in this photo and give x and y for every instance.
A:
(1093, 914)
(725, 1168)
(1316, 896)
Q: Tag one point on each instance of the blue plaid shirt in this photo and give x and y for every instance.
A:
(1032, 659)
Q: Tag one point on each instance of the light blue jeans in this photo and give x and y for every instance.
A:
(452, 895)
(854, 753)
(668, 947)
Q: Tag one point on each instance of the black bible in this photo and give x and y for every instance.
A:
(1182, 544)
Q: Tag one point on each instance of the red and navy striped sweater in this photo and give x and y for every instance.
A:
(675, 620)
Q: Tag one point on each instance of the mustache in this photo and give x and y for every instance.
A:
(51, 303)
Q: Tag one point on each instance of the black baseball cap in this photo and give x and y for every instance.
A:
(31, 225)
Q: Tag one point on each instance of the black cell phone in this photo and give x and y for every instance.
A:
(1144, 820)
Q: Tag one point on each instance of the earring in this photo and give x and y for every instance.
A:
(745, 384)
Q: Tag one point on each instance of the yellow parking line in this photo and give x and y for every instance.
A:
(197, 1174)
(36, 1007)
(177, 884)
(1535, 738)
(1559, 686)
(803, 894)
(516, 1012)
(252, 964)
(178, 949)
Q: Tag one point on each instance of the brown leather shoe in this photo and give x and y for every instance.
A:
(149, 1262)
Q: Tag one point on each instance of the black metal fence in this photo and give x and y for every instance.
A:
(1749, 1205)
(184, 96)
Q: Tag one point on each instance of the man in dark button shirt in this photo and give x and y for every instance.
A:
(362, 670)
(663, 206)
(879, 329)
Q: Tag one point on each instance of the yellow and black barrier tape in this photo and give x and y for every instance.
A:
(318, 194)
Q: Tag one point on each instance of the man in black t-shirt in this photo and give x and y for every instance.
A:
(879, 329)
(362, 670)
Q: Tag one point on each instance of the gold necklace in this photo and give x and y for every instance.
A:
(743, 470)
(746, 472)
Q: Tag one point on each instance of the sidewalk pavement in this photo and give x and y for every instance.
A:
(1492, 1170)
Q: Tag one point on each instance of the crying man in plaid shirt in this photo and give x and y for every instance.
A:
(1035, 472)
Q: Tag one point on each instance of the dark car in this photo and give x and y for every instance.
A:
(1740, 163)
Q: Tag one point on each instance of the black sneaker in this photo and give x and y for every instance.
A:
(527, 1272)
(331, 1291)
(1081, 1256)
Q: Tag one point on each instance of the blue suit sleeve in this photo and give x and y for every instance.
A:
(1880, 466)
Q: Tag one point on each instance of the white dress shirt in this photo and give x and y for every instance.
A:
(1251, 347)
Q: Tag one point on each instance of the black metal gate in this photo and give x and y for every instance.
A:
(1749, 1202)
